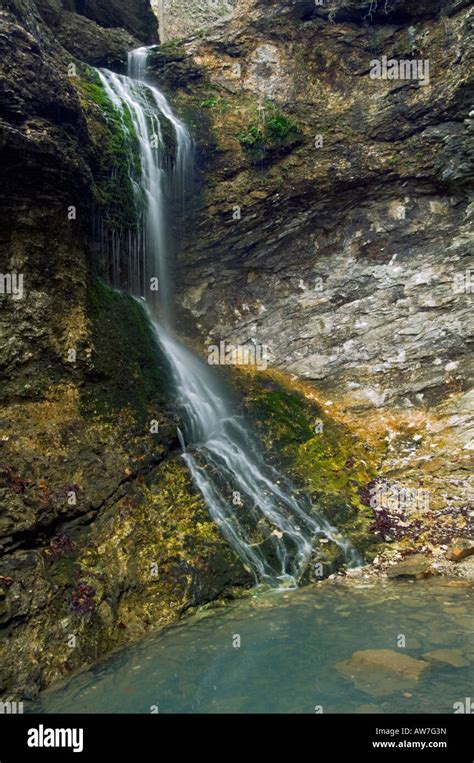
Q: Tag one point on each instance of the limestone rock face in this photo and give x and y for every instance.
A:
(43, 132)
(134, 16)
(50, 154)
(180, 18)
(336, 225)
(381, 672)
(89, 42)
(96, 32)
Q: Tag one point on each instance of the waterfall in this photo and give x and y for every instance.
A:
(270, 526)
(157, 185)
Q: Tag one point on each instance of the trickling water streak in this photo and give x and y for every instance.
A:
(271, 528)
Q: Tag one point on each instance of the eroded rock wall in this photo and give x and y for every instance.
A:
(102, 535)
(180, 18)
(336, 225)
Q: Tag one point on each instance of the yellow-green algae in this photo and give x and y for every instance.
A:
(134, 506)
(321, 454)
(149, 557)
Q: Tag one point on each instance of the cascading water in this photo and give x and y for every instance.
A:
(258, 511)
(146, 107)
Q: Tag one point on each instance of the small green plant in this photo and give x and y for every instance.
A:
(209, 103)
(253, 137)
(215, 102)
(280, 128)
(272, 131)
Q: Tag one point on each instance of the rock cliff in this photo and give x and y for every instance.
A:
(333, 227)
(336, 224)
(96, 547)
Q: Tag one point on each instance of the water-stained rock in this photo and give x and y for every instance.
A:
(350, 256)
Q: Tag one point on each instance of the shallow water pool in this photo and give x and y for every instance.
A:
(277, 652)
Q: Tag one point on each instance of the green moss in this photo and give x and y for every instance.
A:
(320, 454)
(275, 130)
(215, 102)
(210, 103)
(279, 127)
(171, 48)
(117, 142)
(163, 524)
(126, 366)
(253, 137)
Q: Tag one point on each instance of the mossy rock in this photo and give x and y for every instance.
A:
(274, 132)
(113, 133)
(320, 455)
(126, 366)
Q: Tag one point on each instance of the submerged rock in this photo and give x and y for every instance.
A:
(453, 657)
(382, 672)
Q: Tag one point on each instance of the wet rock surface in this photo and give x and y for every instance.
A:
(345, 247)
(416, 567)
(102, 536)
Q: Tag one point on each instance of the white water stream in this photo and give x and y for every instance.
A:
(257, 509)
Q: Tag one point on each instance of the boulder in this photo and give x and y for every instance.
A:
(460, 549)
(416, 567)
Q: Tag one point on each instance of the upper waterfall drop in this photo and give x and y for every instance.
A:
(271, 527)
(160, 183)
